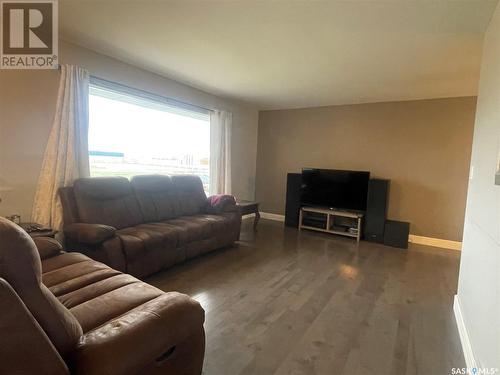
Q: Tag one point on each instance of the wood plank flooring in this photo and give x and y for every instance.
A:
(284, 302)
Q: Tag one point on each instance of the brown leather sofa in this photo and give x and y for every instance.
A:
(146, 224)
(64, 313)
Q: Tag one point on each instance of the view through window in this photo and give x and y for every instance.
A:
(131, 135)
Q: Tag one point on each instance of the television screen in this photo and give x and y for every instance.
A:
(347, 190)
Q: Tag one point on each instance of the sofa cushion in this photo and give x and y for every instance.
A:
(152, 246)
(95, 289)
(138, 239)
(54, 263)
(196, 228)
(203, 225)
(156, 196)
(47, 247)
(99, 310)
(93, 292)
(191, 197)
(107, 200)
(73, 276)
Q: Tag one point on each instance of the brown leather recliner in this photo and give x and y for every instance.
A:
(147, 224)
(64, 313)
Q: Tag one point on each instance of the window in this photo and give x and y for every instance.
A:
(133, 133)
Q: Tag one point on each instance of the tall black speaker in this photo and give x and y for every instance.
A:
(292, 208)
(376, 210)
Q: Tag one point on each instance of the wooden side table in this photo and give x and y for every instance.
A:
(31, 229)
(248, 208)
(324, 221)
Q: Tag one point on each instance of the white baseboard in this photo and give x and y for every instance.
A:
(275, 217)
(428, 241)
(436, 242)
(470, 361)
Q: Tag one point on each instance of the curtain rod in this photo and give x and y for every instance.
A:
(147, 93)
(150, 95)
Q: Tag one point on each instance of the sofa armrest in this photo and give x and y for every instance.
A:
(47, 247)
(165, 333)
(89, 234)
(217, 204)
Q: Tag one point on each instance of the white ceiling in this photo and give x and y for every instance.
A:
(284, 54)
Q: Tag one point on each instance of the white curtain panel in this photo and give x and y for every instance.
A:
(220, 152)
(66, 155)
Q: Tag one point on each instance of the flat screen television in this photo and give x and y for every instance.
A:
(336, 189)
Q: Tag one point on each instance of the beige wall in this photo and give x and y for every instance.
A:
(423, 147)
(27, 104)
(479, 279)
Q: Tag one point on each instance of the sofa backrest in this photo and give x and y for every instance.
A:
(190, 194)
(20, 266)
(107, 200)
(156, 196)
(121, 203)
(162, 197)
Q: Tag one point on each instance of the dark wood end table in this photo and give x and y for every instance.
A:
(248, 208)
(31, 229)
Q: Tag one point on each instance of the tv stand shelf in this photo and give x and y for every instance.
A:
(331, 221)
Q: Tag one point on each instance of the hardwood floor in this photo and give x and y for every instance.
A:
(285, 302)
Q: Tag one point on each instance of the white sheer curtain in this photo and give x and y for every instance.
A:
(66, 155)
(220, 152)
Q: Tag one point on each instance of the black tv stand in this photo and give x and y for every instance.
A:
(327, 220)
